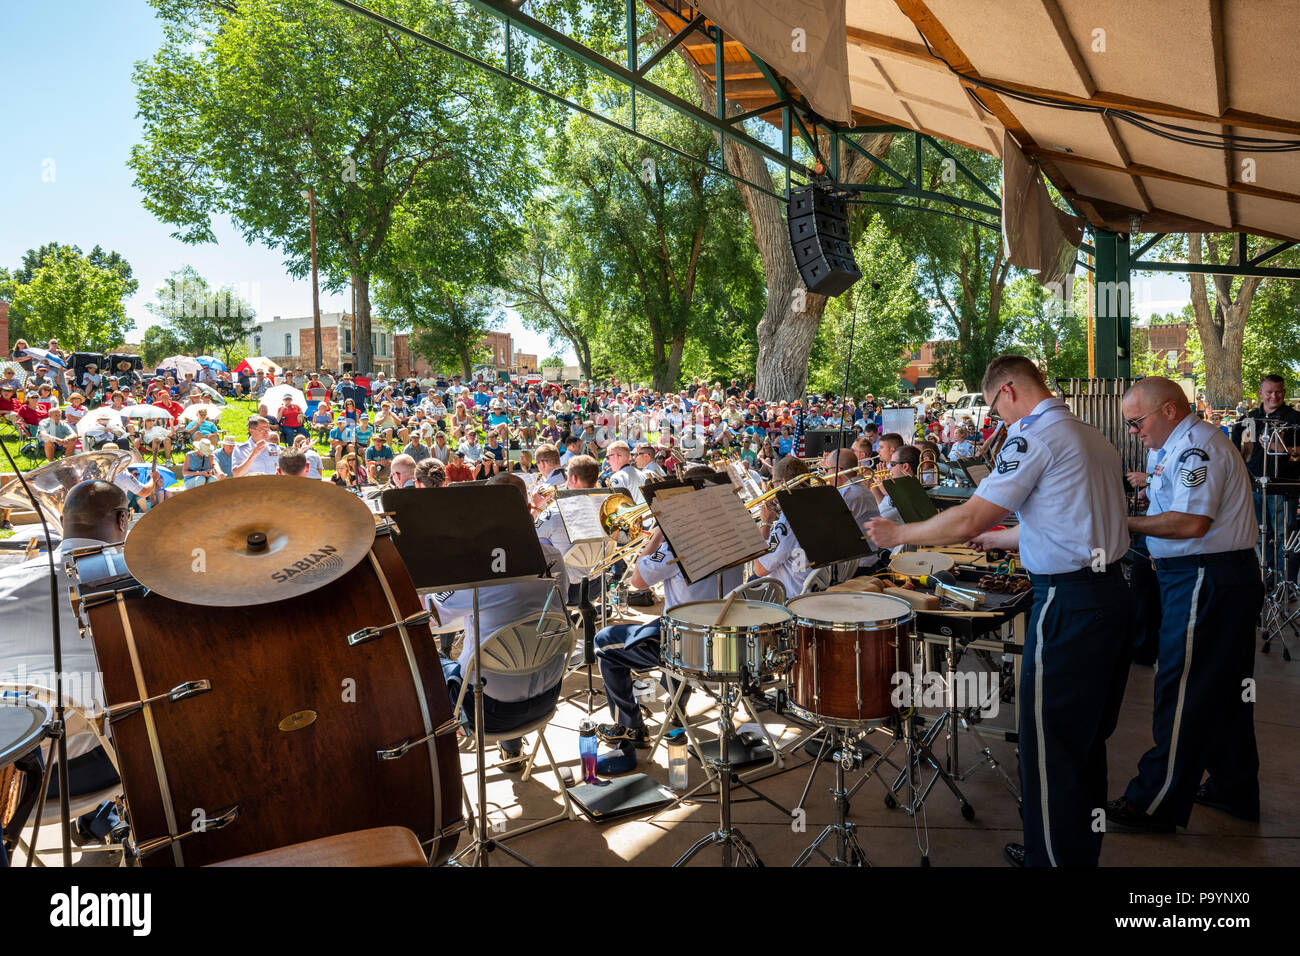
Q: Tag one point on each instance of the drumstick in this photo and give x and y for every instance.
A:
(725, 608)
(963, 613)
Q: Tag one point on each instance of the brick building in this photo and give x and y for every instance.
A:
(1168, 342)
(291, 343)
(4, 328)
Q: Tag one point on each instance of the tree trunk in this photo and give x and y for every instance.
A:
(785, 334)
(675, 360)
(1222, 328)
(361, 325)
(466, 372)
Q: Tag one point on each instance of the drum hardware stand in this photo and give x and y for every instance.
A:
(956, 720)
(59, 750)
(837, 743)
(726, 836)
(848, 851)
(222, 819)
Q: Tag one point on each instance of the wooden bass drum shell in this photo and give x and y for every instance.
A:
(316, 776)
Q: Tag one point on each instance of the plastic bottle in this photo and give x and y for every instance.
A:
(678, 777)
(587, 746)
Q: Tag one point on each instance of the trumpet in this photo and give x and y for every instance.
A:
(768, 495)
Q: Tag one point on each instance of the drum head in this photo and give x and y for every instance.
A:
(917, 563)
(742, 613)
(22, 727)
(849, 607)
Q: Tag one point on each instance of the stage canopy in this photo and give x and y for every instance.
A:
(1112, 97)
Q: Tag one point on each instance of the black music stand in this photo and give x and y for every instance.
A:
(827, 531)
(490, 542)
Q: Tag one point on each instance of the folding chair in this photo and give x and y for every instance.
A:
(519, 649)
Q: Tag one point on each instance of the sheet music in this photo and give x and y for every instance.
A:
(708, 529)
(977, 472)
(581, 517)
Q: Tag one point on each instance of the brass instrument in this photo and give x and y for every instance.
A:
(623, 553)
(768, 495)
(927, 470)
(618, 513)
(989, 450)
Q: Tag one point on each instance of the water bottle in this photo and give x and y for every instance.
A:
(677, 769)
(587, 749)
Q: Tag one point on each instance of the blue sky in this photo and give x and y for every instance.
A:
(70, 107)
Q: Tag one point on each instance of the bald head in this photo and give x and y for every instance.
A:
(1156, 390)
(96, 509)
(1157, 405)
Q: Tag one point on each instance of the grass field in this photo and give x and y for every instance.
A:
(233, 421)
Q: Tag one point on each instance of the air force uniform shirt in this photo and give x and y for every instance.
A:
(555, 544)
(1064, 481)
(556, 479)
(786, 561)
(658, 567)
(862, 505)
(1199, 472)
(630, 480)
(499, 605)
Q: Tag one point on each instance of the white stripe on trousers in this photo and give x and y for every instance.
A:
(1038, 727)
(1182, 693)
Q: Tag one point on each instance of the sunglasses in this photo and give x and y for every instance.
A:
(1136, 423)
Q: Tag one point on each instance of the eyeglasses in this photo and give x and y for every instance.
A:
(993, 408)
(1135, 423)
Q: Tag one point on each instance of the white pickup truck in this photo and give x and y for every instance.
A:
(972, 404)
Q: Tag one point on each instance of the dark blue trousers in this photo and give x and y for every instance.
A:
(618, 661)
(1201, 721)
(1071, 686)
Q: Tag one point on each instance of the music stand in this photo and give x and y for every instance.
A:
(491, 542)
(823, 524)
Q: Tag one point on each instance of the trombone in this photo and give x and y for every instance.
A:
(768, 495)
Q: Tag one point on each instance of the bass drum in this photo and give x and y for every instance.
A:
(293, 724)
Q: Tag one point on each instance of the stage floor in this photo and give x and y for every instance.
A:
(889, 836)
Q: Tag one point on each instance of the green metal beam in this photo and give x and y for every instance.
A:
(1280, 248)
(1112, 290)
(508, 11)
(1209, 268)
(668, 47)
(961, 167)
(576, 107)
(1147, 245)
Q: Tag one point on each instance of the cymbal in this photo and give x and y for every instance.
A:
(917, 563)
(249, 540)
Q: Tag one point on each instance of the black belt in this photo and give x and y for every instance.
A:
(1071, 577)
(1206, 560)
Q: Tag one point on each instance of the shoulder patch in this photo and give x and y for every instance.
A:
(443, 595)
(1193, 477)
(1200, 453)
(1017, 445)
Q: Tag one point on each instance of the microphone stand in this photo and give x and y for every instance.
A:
(57, 731)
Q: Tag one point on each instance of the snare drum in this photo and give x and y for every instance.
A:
(754, 634)
(849, 645)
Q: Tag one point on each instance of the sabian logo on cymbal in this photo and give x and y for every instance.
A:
(321, 561)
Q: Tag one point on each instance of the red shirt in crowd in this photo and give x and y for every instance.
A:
(290, 415)
(33, 416)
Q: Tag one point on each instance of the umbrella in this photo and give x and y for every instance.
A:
(192, 411)
(180, 364)
(207, 361)
(146, 411)
(49, 358)
(274, 397)
(143, 474)
(212, 393)
(92, 420)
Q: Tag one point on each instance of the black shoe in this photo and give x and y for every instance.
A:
(512, 761)
(82, 837)
(1207, 798)
(1014, 853)
(6, 525)
(1122, 814)
(617, 734)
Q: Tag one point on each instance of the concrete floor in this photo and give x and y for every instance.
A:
(889, 836)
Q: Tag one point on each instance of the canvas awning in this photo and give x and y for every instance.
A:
(1088, 88)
